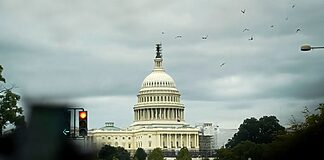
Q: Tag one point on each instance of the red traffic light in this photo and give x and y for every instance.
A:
(83, 114)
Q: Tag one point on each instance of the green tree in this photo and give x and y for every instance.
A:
(301, 143)
(263, 130)
(10, 113)
(156, 154)
(140, 154)
(184, 154)
(107, 152)
(224, 154)
(247, 149)
(122, 154)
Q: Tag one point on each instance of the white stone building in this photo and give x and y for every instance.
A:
(159, 119)
(208, 129)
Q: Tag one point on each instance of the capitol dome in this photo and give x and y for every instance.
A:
(158, 101)
(158, 79)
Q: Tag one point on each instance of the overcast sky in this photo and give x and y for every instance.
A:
(97, 53)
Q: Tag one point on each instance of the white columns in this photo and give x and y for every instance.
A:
(181, 145)
(167, 141)
(187, 140)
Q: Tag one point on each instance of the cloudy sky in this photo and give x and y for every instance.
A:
(97, 53)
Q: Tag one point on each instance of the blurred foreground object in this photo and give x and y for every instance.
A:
(44, 138)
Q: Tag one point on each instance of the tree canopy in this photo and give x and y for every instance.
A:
(184, 154)
(257, 131)
(140, 154)
(156, 154)
(302, 141)
(108, 152)
(10, 112)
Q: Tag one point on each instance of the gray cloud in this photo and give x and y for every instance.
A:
(85, 50)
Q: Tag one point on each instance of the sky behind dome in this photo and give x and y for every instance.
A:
(97, 53)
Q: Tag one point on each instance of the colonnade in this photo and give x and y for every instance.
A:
(176, 140)
(159, 114)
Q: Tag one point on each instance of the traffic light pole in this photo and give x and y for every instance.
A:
(74, 120)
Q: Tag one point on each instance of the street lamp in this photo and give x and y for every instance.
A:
(307, 47)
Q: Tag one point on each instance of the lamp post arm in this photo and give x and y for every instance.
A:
(317, 47)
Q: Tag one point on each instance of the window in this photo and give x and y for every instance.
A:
(150, 143)
(129, 138)
(108, 137)
(129, 145)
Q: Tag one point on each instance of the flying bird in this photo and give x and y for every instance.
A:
(243, 11)
(293, 6)
(204, 37)
(286, 18)
(222, 64)
(178, 36)
(250, 39)
(298, 30)
(246, 29)
(163, 32)
(272, 26)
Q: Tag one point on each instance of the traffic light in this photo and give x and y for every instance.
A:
(83, 124)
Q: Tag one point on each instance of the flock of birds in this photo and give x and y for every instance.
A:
(243, 11)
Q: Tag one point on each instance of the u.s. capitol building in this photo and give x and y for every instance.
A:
(159, 120)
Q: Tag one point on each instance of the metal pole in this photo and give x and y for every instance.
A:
(317, 47)
(74, 124)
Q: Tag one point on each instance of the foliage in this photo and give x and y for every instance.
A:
(156, 154)
(108, 152)
(140, 154)
(122, 154)
(1, 78)
(302, 142)
(258, 131)
(9, 111)
(184, 154)
(247, 149)
(224, 154)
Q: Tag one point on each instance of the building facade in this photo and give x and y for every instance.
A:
(159, 120)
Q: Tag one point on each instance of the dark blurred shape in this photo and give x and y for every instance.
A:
(43, 138)
(83, 123)
(67, 123)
